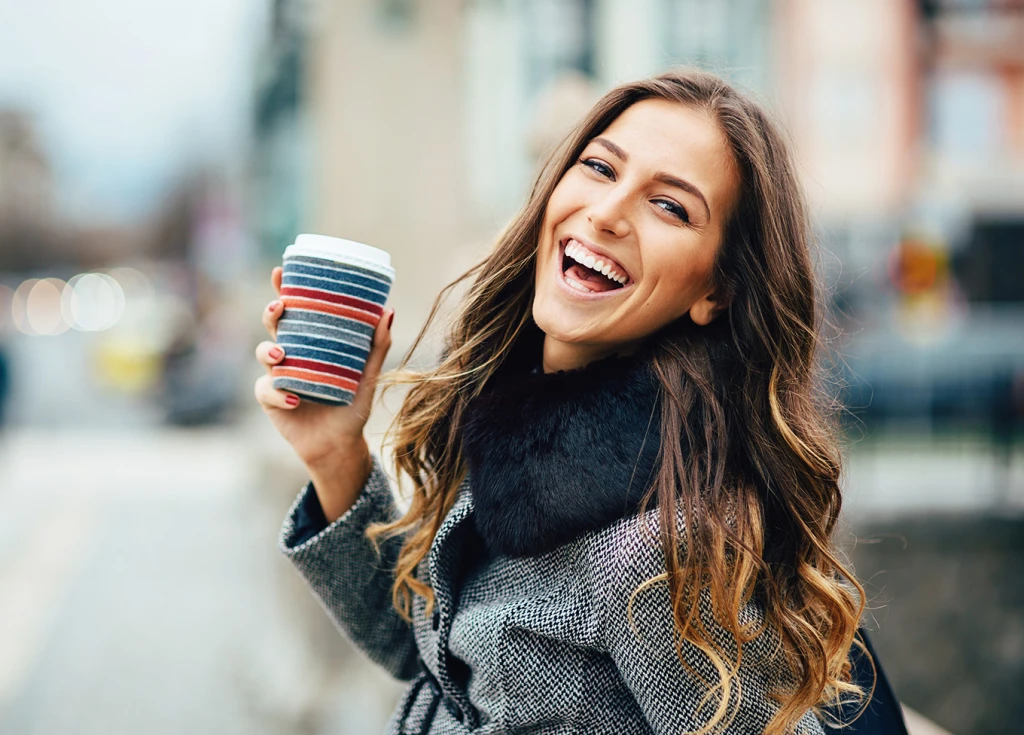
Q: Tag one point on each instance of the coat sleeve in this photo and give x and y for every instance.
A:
(640, 639)
(346, 575)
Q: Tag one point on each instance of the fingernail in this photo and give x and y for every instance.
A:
(273, 305)
(276, 353)
(391, 318)
(292, 400)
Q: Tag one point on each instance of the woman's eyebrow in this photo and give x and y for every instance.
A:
(660, 176)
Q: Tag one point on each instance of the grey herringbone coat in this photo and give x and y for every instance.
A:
(536, 644)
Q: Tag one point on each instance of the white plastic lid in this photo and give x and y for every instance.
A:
(345, 251)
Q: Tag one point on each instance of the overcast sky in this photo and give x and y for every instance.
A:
(124, 91)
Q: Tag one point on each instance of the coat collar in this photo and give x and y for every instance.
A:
(553, 456)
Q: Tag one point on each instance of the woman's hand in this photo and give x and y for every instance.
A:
(328, 439)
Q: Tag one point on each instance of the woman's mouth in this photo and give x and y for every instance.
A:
(586, 272)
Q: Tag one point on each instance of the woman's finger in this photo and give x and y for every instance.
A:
(275, 278)
(363, 400)
(271, 314)
(269, 354)
(269, 398)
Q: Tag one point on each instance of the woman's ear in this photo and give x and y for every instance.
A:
(707, 307)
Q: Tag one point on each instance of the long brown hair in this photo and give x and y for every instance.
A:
(760, 475)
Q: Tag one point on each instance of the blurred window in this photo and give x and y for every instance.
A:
(559, 36)
(727, 37)
(967, 113)
(989, 267)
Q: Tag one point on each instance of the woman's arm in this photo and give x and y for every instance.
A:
(350, 580)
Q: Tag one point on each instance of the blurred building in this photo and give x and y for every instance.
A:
(359, 134)
(973, 76)
(33, 235)
(26, 192)
(914, 155)
(385, 98)
(281, 141)
(26, 179)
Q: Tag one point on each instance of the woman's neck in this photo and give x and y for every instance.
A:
(571, 356)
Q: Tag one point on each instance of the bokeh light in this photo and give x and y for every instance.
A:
(93, 302)
(43, 307)
(138, 294)
(19, 306)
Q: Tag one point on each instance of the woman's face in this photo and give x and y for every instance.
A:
(630, 233)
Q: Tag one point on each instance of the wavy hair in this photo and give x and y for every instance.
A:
(759, 476)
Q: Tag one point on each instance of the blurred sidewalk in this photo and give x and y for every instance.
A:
(140, 592)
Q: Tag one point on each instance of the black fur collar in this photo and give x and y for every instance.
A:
(552, 456)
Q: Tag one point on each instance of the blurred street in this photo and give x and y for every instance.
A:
(137, 592)
(120, 559)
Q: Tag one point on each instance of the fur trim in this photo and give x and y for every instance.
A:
(552, 456)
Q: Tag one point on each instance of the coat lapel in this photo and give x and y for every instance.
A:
(442, 558)
(445, 556)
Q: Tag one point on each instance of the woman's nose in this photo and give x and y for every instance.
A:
(610, 214)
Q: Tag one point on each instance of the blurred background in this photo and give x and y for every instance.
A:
(155, 160)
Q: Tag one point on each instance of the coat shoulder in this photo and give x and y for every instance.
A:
(630, 550)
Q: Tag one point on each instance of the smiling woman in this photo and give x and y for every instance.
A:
(633, 201)
(624, 486)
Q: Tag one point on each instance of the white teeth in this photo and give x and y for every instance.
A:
(581, 255)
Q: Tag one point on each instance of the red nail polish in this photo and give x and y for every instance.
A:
(273, 305)
(292, 400)
(276, 353)
(391, 319)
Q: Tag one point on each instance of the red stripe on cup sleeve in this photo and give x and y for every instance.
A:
(295, 302)
(320, 367)
(334, 298)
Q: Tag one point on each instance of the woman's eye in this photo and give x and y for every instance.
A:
(601, 168)
(673, 209)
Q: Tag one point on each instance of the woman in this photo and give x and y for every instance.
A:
(623, 487)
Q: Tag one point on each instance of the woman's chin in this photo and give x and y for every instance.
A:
(564, 326)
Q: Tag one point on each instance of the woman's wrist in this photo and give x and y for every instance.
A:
(339, 478)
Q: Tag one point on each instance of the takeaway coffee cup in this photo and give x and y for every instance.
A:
(333, 293)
